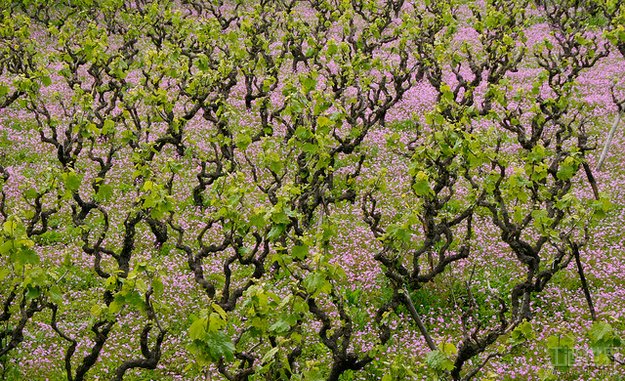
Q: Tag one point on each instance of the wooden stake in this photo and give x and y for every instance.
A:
(609, 141)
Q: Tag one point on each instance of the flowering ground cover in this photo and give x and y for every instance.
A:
(311, 190)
